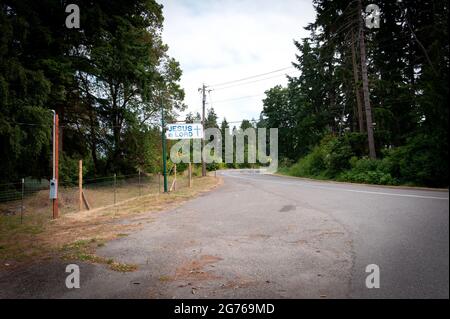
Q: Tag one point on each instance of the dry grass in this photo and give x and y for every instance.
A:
(40, 237)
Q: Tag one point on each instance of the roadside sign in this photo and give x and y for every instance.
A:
(181, 131)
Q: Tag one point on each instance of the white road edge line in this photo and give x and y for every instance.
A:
(344, 189)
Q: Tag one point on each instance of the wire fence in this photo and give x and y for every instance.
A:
(28, 197)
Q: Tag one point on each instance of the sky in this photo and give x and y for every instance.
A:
(217, 41)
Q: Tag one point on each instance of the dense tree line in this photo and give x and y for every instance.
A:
(107, 80)
(322, 113)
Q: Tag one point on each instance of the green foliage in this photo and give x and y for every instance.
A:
(213, 166)
(142, 150)
(68, 170)
(326, 160)
(409, 93)
(419, 162)
(416, 163)
(106, 81)
(197, 170)
(312, 165)
(211, 119)
(369, 171)
(336, 153)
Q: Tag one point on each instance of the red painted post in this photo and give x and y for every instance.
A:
(56, 150)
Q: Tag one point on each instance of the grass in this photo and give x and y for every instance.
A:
(84, 250)
(165, 278)
(76, 235)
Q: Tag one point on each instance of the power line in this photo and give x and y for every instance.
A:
(250, 82)
(250, 77)
(234, 122)
(28, 124)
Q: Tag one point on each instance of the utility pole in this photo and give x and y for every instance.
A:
(163, 139)
(203, 89)
(365, 83)
(357, 89)
(55, 164)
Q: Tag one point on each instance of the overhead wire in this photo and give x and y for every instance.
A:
(250, 82)
(250, 77)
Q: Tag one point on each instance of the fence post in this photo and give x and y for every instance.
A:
(114, 189)
(190, 174)
(139, 182)
(80, 185)
(21, 205)
(159, 182)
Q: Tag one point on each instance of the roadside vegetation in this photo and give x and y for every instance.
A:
(341, 159)
(326, 115)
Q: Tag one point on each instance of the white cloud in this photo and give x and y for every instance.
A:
(219, 41)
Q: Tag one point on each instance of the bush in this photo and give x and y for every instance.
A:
(196, 170)
(421, 162)
(337, 153)
(368, 171)
(68, 170)
(327, 160)
(212, 166)
(357, 142)
(311, 165)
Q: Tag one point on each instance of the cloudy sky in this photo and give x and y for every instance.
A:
(218, 41)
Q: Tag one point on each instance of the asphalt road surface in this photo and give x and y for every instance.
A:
(265, 236)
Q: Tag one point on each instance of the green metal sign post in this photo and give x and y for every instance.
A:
(163, 138)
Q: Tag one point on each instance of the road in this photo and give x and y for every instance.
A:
(266, 236)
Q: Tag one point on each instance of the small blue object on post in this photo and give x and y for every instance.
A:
(53, 188)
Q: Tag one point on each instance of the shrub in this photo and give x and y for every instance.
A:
(328, 159)
(311, 165)
(337, 153)
(68, 170)
(421, 161)
(369, 171)
(212, 166)
(357, 142)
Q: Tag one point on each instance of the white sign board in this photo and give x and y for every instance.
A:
(183, 131)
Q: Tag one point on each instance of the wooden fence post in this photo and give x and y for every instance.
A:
(190, 174)
(175, 177)
(80, 185)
